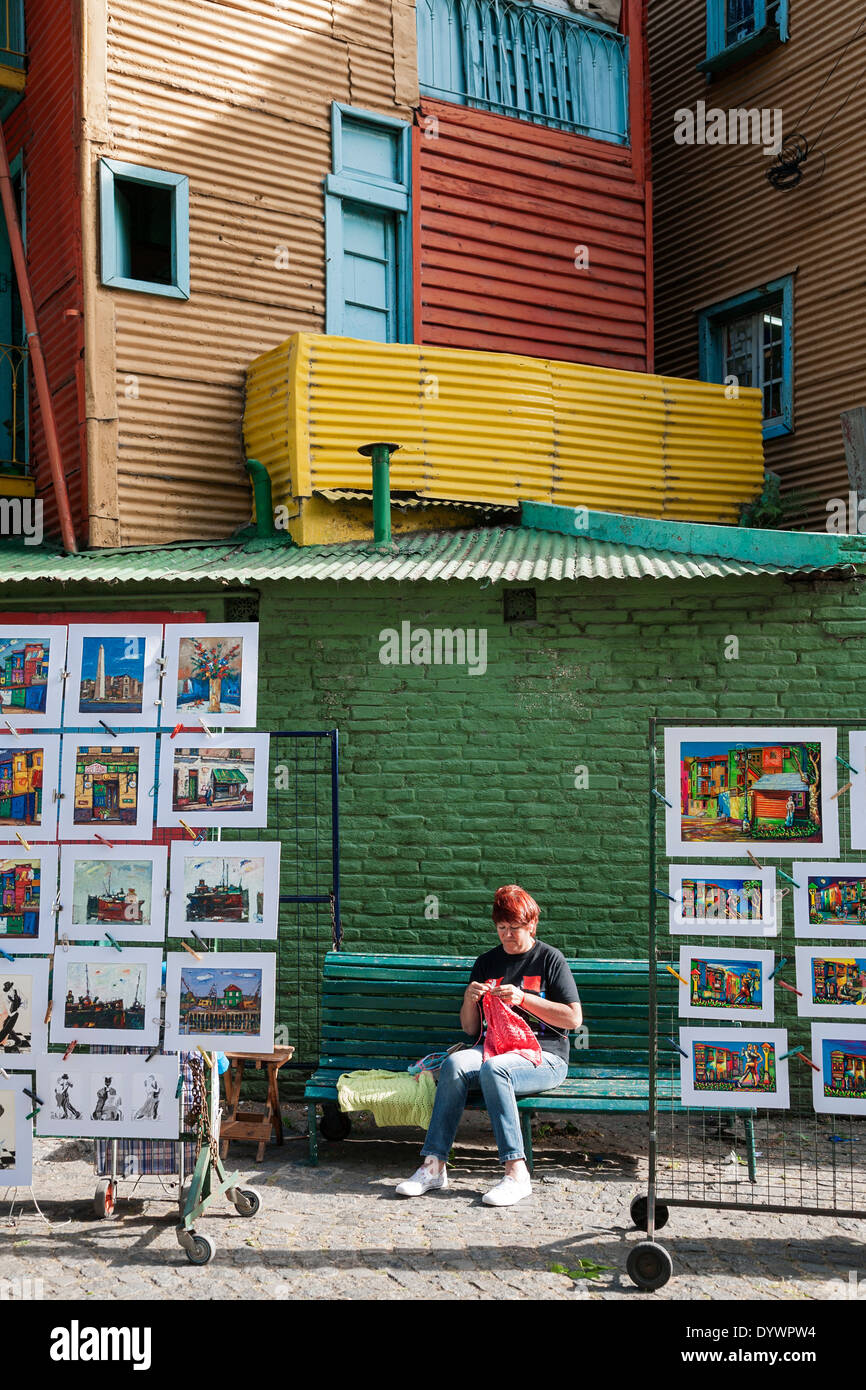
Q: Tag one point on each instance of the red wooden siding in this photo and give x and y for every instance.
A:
(45, 124)
(501, 205)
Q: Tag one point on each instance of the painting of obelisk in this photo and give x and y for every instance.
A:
(100, 674)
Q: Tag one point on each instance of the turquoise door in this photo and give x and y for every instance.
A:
(369, 273)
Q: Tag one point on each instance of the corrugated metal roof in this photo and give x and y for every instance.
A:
(491, 554)
(780, 782)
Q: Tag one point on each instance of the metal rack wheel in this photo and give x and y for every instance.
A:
(334, 1125)
(639, 1212)
(649, 1265)
(199, 1249)
(247, 1200)
(105, 1199)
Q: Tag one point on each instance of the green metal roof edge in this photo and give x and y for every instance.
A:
(791, 549)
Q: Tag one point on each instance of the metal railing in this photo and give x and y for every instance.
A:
(536, 64)
(13, 409)
(12, 51)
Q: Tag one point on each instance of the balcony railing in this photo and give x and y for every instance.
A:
(12, 51)
(13, 410)
(522, 61)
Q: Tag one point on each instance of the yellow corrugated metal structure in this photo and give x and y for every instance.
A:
(491, 427)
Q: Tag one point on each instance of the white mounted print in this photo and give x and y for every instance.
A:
(230, 891)
(31, 683)
(734, 1068)
(214, 781)
(119, 892)
(106, 787)
(102, 995)
(108, 1097)
(211, 673)
(725, 900)
(223, 1003)
(768, 790)
(832, 982)
(16, 1132)
(839, 1084)
(857, 758)
(113, 675)
(29, 767)
(23, 1006)
(28, 892)
(830, 901)
(726, 982)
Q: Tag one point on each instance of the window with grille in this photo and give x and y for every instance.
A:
(737, 28)
(748, 341)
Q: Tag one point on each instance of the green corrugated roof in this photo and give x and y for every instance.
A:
(492, 554)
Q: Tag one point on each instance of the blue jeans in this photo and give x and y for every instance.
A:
(500, 1079)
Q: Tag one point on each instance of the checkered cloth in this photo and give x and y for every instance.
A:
(149, 1157)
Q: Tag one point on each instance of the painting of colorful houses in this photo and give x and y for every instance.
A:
(736, 787)
(20, 899)
(830, 900)
(106, 786)
(735, 1067)
(721, 984)
(211, 777)
(839, 1086)
(21, 785)
(228, 1001)
(220, 1001)
(832, 983)
(24, 663)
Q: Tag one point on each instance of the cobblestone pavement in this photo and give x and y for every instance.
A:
(338, 1231)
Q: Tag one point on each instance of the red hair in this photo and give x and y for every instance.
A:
(513, 905)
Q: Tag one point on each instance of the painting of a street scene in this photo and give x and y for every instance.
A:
(832, 982)
(106, 786)
(21, 786)
(735, 1067)
(830, 900)
(206, 778)
(730, 788)
(727, 981)
(105, 996)
(20, 897)
(839, 1087)
(24, 664)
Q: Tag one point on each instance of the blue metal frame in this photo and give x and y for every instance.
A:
(711, 320)
(394, 195)
(111, 169)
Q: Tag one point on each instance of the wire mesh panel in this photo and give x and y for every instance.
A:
(791, 1159)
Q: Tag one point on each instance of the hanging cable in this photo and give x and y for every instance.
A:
(786, 170)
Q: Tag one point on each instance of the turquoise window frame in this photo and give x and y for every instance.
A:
(109, 171)
(358, 186)
(771, 26)
(712, 320)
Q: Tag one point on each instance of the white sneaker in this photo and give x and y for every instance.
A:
(507, 1192)
(424, 1180)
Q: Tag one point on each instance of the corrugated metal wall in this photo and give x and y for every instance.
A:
(238, 98)
(721, 229)
(503, 205)
(43, 126)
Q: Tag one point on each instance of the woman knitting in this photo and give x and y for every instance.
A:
(520, 994)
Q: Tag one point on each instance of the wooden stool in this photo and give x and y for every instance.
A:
(250, 1124)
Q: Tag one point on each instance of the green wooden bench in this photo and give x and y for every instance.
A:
(385, 1012)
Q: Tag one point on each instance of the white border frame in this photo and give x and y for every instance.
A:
(766, 925)
(806, 1008)
(56, 636)
(181, 925)
(148, 956)
(174, 713)
(22, 1174)
(43, 943)
(109, 830)
(155, 855)
(857, 758)
(151, 635)
(167, 1126)
(38, 971)
(806, 930)
(765, 959)
(769, 734)
(50, 745)
(829, 1105)
(263, 1041)
(735, 1100)
(254, 819)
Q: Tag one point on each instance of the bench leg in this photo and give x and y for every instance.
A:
(312, 1123)
(526, 1131)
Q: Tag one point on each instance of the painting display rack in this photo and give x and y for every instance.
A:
(789, 1161)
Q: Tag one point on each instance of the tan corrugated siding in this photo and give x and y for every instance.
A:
(237, 96)
(721, 229)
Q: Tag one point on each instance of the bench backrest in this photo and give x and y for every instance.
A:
(387, 1011)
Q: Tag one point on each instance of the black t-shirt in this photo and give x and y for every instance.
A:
(542, 970)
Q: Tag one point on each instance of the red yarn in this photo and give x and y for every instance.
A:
(507, 1032)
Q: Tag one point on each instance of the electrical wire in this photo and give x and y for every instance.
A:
(786, 171)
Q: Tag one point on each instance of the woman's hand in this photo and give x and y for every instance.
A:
(509, 994)
(475, 992)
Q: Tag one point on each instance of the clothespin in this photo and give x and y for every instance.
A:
(791, 988)
(103, 841)
(32, 1095)
(70, 1049)
(20, 837)
(209, 732)
(33, 1113)
(4, 1073)
(845, 763)
(807, 1060)
(680, 1050)
(754, 860)
(677, 976)
(160, 662)
(189, 830)
(6, 955)
(110, 938)
(153, 1053)
(175, 731)
(204, 1054)
(198, 939)
(108, 729)
(195, 955)
(178, 1090)
(64, 675)
(783, 960)
(57, 796)
(788, 878)
(11, 728)
(662, 894)
(48, 1010)
(657, 794)
(57, 904)
(847, 787)
(64, 942)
